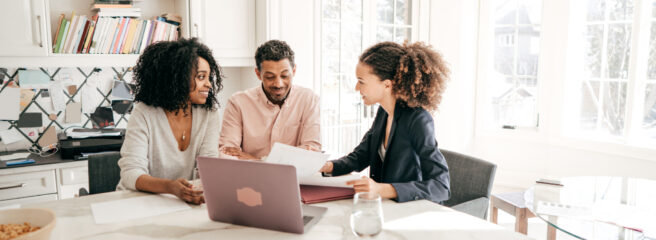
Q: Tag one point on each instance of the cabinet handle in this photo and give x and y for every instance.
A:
(20, 185)
(196, 28)
(38, 21)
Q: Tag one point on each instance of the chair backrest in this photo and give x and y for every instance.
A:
(104, 172)
(471, 178)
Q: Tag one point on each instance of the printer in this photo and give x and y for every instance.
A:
(76, 143)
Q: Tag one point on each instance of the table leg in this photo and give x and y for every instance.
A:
(551, 232)
(494, 215)
(521, 221)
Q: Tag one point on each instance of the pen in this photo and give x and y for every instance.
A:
(19, 162)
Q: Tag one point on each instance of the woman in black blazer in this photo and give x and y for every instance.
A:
(400, 148)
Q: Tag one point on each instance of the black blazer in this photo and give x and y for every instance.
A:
(413, 164)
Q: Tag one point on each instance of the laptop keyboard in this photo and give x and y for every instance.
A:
(307, 219)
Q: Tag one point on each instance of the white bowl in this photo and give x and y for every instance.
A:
(37, 217)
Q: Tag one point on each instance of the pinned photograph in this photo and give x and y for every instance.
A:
(103, 117)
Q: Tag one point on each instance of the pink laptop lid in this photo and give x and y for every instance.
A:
(251, 193)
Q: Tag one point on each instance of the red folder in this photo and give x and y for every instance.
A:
(318, 194)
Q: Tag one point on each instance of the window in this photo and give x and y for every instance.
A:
(347, 28)
(616, 78)
(511, 82)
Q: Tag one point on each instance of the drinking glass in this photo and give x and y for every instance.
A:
(367, 215)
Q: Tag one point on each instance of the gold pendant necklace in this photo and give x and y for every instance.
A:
(183, 136)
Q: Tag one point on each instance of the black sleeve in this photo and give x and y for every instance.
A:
(435, 174)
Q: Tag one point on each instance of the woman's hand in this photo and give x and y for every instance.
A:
(366, 184)
(233, 151)
(327, 167)
(184, 190)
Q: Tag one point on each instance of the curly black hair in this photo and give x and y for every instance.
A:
(163, 74)
(275, 50)
(418, 73)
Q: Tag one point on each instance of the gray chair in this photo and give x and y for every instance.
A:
(471, 183)
(104, 172)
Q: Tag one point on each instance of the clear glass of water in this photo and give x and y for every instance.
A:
(367, 215)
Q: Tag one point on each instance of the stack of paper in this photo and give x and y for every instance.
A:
(314, 187)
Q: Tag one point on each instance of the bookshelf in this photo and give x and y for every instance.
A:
(208, 19)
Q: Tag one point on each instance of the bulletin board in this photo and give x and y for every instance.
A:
(55, 118)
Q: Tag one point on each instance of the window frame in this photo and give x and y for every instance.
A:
(558, 77)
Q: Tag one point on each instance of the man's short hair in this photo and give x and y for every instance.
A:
(273, 50)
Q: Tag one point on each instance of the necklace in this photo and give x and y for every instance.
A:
(183, 136)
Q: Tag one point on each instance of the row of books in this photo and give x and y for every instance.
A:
(110, 35)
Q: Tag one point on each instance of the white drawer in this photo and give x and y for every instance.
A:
(22, 201)
(75, 175)
(27, 184)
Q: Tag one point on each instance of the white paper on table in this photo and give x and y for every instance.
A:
(318, 180)
(10, 136)
(134, 208)
(57, 96)
(10, 107)
(306, 162)
(18, 155)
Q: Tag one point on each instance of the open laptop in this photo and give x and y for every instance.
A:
(255, 194)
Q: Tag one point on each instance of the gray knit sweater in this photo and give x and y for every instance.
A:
(150, 147)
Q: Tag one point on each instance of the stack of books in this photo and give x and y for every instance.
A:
(111, 35)
(116, 10)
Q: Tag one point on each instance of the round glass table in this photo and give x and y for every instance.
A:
(596, 207)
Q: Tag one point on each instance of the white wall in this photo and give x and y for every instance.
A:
(453, 32)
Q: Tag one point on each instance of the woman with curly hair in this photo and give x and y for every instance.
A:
(174, 119)
(400, 148)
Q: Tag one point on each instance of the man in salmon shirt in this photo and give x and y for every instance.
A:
(276, 111)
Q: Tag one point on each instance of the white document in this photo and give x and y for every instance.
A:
(10, 136)
(10, 107)
(57, 96)
(134, 208)
(306, 162)
(318, 180)
(18, 155)
(90, 98)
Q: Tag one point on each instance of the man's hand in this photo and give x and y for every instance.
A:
(366, 184)
(310, 148)
(233, 151)
(327, 167)
(184, 190)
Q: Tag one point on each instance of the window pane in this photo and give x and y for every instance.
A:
(351, 48)
(330, 35)
(385, 11)
(384, 34)
(651, 65)
(620, 9)
(352, 10)
(504, 50)
(649, 123)
(530, 12)
(589, 109)
(528, 50)
(594, 38)
(619, 47)
(403, 12)
(330, 9)
(402, 34)
(330, 61)
(613, 107)
(653, 9)
(516, 106)
(596, 10)
(505, 11)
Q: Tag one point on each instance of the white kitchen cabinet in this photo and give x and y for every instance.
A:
(43, 182)
(227, 27)
(24, 31)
